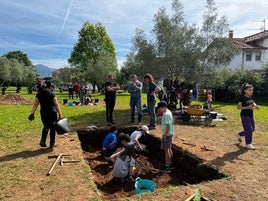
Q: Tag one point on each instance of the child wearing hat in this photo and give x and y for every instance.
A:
(136, 135)
(167, 134)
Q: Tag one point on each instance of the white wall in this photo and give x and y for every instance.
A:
(238, 61)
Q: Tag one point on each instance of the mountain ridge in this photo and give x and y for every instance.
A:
(44, 71)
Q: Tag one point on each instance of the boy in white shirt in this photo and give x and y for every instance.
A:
(136, 135)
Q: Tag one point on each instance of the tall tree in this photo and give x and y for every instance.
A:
(218, 50)
(22, 71)
(178, 44)
(181, 50)
(67, 75)
(4, 70)
(20, 57)
(16, 73)
(4, 73)
(93, 44)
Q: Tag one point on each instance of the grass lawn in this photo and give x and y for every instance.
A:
(17, 135)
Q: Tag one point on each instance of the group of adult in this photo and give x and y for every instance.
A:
(135, 89)
(74, 89)
(121, 151)
(81, 92)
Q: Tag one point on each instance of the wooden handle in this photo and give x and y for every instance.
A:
(190, 198)
(53, 165)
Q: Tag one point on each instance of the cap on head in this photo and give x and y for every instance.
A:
(145, 128)
(162, 104)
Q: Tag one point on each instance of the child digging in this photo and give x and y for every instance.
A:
(124, 166)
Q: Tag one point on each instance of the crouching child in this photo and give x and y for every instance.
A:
(124, 167)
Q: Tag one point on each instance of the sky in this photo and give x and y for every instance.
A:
(47, 30)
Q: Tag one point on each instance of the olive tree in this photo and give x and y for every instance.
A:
(21, 70)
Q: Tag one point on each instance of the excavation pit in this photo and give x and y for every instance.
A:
(189, 169)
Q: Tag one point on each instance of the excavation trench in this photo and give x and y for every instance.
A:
(189, 169)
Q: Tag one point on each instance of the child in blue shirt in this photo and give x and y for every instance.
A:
(109, 142)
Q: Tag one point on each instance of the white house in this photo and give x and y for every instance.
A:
(254, 52)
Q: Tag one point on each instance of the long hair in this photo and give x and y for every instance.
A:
(149, 76)
(244, 87)
(129, 151)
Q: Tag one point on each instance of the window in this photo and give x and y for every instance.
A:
(248, 56)
(257, 56)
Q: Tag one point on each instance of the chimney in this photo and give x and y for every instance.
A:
(231, 34)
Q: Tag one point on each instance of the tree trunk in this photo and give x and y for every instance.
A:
(94, 86)
(4, 90)
(18, 89)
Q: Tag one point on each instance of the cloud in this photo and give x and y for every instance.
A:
(47, 30)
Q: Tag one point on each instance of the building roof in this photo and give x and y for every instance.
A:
(257, 36)
(249, 42)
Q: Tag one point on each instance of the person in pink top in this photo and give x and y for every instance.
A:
(209, 99)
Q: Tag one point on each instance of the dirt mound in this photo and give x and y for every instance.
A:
(14, 99)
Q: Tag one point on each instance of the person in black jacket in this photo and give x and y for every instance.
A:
(110, 96)
(49, 109)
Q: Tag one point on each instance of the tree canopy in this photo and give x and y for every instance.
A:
(94, 53)
(19, 56)
(181, 50)
(16, 69)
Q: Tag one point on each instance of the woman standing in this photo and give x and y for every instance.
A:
(246, 104)
(153, 89)
(49, 109)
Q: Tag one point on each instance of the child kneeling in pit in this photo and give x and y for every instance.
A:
(124, 166)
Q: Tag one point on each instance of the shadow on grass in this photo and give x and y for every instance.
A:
(230, 157)
(25, 154)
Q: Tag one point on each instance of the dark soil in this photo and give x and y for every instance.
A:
(146, 166)
(188, 168)
(11, 99)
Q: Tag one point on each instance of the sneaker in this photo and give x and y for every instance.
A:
(42, 143)
(113, 122)
(109, 123)
(250, 146)
(239, 138)
(131, 122)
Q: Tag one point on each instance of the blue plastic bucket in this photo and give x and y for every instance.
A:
(144, 185)
(69, 104)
